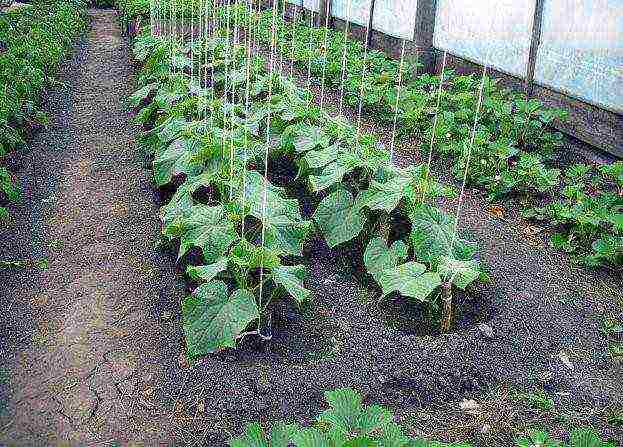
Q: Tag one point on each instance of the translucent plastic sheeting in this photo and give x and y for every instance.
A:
(313, 5)
(581, 51)
(492, 32)
(395, 17)
(296, 2)
(357, 10)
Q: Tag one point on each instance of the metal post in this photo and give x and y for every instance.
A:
(370, 21)
(537, 22)
(425, 15)
(324, 13)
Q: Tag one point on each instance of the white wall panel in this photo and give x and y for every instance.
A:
(493, 32)
(395, 17)
(581, 51)
(356, 11)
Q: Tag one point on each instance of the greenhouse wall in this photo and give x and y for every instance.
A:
(567, 53)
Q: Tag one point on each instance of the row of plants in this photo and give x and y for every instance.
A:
(513, 148)
(33, 41)
(133, 11)
(241, 234)
(349, 423)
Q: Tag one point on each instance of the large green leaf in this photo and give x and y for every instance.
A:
(182, 200)
(330, 175)
(352, 424)
(307, 138)
(179, 158)
(205, 227)
(378, 256)
(338, 217)
(462, 273)
(213, 321)
(431, 233)
(392, 436)
(251, 256)
(345, 408)
(310, 437)
(171, 129)
(433, 236)
(254, 436)
(385, 196)
(291, 278)
(284, 229)
(139, 96)
(321, 158)
(280, 436)
(587, 437)
(207, 273)
(410, 279)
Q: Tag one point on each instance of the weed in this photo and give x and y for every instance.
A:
(538, 400)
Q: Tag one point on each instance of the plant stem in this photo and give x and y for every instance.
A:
(446, 297)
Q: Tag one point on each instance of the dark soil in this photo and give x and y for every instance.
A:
(92, 344)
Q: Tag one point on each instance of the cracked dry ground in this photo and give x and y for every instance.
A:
(81, 337)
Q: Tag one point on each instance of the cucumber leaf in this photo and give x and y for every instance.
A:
(311, 437)
(213, 321)
(339, 218)
(206, 273)
(205, 227)
(291, 278)
(432, 236)
(384, 196)
(409, 279)
(182, 200)
(307, 138)
(462, 273)
(254, 436)
(178, 158)
(321, 158)
(379, 257)
(284, 228)
(250, 256)
(139, 96)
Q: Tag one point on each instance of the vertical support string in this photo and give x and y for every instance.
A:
(468, 156)
(309, 47)
(248, 46)
(233, 95)
(363, 77)
(400, 67)
(435, 120)
(282, 46)
(324, 50)
(293, 42)
(265, 191)
(342, 74)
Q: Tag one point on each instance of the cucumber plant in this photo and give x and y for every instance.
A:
(243, 235)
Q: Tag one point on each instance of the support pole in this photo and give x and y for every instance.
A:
(324, 14)
(424, 32)
(537, 23)
(370, 22)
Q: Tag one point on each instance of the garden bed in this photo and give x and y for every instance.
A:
(535, 328)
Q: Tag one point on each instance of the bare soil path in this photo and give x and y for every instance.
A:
(82, 327)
